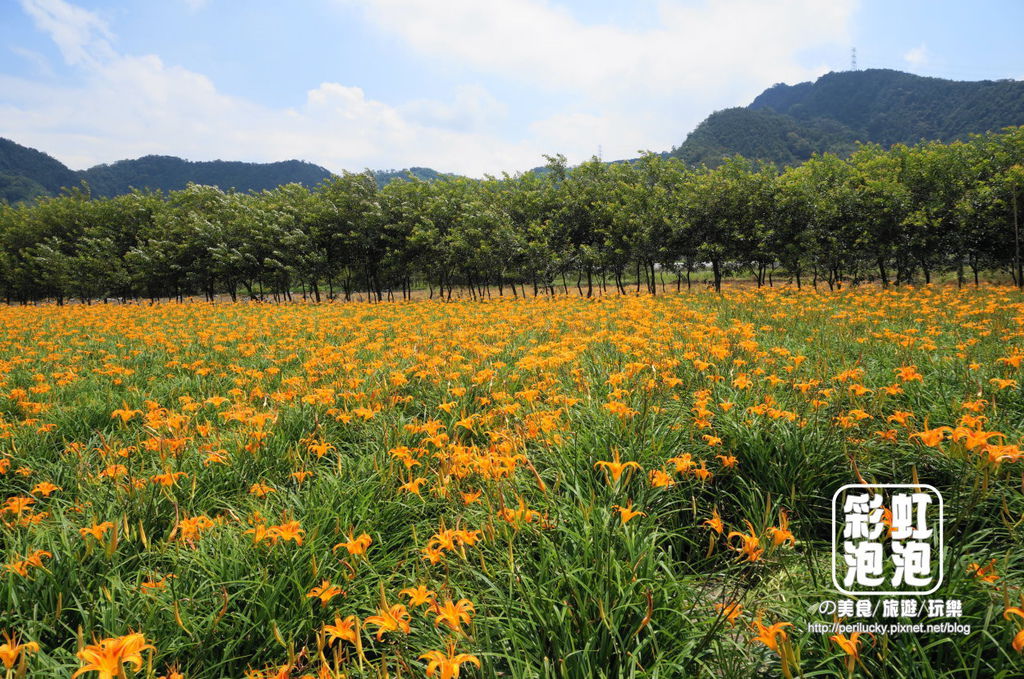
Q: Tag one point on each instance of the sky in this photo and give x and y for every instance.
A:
(468, 86)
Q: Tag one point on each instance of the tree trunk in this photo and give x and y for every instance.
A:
(1016, 242)
(926, 270)
(882, 272)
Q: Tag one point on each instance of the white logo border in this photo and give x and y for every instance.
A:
(942, 538)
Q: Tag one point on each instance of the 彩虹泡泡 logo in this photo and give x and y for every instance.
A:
(887, 539)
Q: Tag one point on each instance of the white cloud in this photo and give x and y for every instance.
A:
(125, 106)
(138, 105)
(701, 56)
(82, 37)
(588, 135)
(40, 63)
(629, 90)
(919, 56)
(706, 44)
(473, 109)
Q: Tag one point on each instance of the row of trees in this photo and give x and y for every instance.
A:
(891, 216)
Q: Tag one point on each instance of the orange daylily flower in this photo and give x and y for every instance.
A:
(11, 650)
(1018, 638)
(626, 513)
(17, 505)
(325, 591)
(168, 479)
(124, 414)
(782, 534)
(614, 468)
(986, 573)
(932, 437)
(107, 656)
(447, 664)
(45, 489)
(319, 448)
(343, 630)
(771, 635)
(715, 522)
(355, 546)
(454, 614)
(730, 612)
(851, 647)
(750, 546)
(660, 479)
(97, 530)
(390, 619)
(413, 486)
(419, 595)
(291, 530)
(261, 489)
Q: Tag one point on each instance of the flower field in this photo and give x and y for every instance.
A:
(555, 487)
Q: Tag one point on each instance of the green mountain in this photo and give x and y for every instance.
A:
(26, 173)
(787, 123)
(763, 134)
(15, 188)
(422, 173)
(168, 173)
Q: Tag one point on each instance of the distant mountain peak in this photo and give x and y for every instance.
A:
(26, 173)
(787, 123)
(34, 166)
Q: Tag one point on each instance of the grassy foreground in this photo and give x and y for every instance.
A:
(529, 488)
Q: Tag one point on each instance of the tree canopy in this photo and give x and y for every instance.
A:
(892, 216)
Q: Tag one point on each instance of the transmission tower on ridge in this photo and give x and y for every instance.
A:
(853, 58)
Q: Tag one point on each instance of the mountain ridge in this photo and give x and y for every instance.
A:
(27, 173)
(786, 124)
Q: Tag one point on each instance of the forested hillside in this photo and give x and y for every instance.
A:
(764, 134)
(424, 173)
(168, 173)
(26, 174)
(787, 123)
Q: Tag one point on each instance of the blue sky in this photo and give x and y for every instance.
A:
(465, 86)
